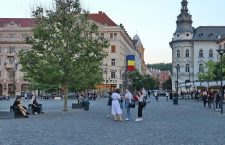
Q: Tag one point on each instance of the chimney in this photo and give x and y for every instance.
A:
(100, 12)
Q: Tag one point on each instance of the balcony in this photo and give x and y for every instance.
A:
(9, 65)
(10, 54)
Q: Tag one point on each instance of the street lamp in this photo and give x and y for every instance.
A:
(175, 100)
(221, 52)
(105, 71)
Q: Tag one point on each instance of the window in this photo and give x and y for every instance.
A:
(187, 53)
(11, 60)
(201, 69)
(113, 75)
(220, 46)
(115, 35)
(11, 74)
(12, 49)
(111, 35)
(178, 53)
(0, 74)
(102, 35)
(223, 45)
(200, 53)
(210, 53)
(113, 62)
(12, 37)
(113, 49)
(187, 68)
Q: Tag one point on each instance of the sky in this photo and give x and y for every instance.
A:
(153, 20)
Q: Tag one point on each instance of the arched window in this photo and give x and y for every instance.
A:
(187, 68)
(210, 53)
(200, 53)
(178, 53)
(187, 53)
(201, 69)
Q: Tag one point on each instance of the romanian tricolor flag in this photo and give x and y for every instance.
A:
(130, 62)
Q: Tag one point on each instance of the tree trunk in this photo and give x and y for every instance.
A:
(64, 87)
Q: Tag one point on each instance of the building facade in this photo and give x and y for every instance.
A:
(13, 32)
(192, 47)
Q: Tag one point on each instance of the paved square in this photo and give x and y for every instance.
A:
(189, 123)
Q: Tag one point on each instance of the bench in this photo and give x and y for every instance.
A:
(7, 115)
(30, 110)
(16, 112)
(77, 105)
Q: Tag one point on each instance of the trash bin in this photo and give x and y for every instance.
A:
(175, 99)
(86, 105)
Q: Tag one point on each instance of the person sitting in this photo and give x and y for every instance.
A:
(36, 107)
(17, 104)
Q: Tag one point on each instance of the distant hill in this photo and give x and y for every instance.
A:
(161, 66)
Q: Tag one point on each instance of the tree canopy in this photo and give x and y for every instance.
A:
(66, 51)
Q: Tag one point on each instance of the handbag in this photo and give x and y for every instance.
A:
(131, 104)
(144, 103)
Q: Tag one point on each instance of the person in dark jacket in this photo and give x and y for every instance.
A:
(36, 107)
(17, 104)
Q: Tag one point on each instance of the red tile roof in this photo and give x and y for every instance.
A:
(102, 18)
(23, 22)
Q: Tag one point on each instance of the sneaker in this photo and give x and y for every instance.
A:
(127, 119)
(108, 116)
(138, 119)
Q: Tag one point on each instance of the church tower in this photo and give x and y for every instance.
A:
(182, 47)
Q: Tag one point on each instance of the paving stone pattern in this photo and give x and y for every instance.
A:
(188, 123)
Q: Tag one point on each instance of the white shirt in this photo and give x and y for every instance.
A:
(128, 95)
(116, 96)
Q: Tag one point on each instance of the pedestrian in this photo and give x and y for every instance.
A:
(116, 109)
(140, 106)
(22, 110)
(167, 95)
(36, 107)
(128, 97)
(204, 98)
(109, 103)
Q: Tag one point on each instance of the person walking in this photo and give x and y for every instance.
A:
(140, 106)
(128, 97)
(116, 109)
(109, 103)
(204, 98)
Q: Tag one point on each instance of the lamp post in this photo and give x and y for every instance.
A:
(175, 100)
(221, 52)
(105, 71)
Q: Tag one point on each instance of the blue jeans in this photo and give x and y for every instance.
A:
(127, 108)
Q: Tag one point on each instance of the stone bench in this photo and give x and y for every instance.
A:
(77, 105)
(7, 115)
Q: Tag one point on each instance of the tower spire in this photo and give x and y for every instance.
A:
(184, 19)
(184, 8)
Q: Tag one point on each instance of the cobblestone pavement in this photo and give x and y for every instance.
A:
(188, 123)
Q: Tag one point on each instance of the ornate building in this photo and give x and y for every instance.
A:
(192, 47)
(13, 32)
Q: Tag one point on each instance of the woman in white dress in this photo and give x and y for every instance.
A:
(116, 109)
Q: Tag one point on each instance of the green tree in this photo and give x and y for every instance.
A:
(149, 82)
(208, 73)
(66, 51)
(161, 66)
(217, 69)
(168, 84)
(137, 80)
